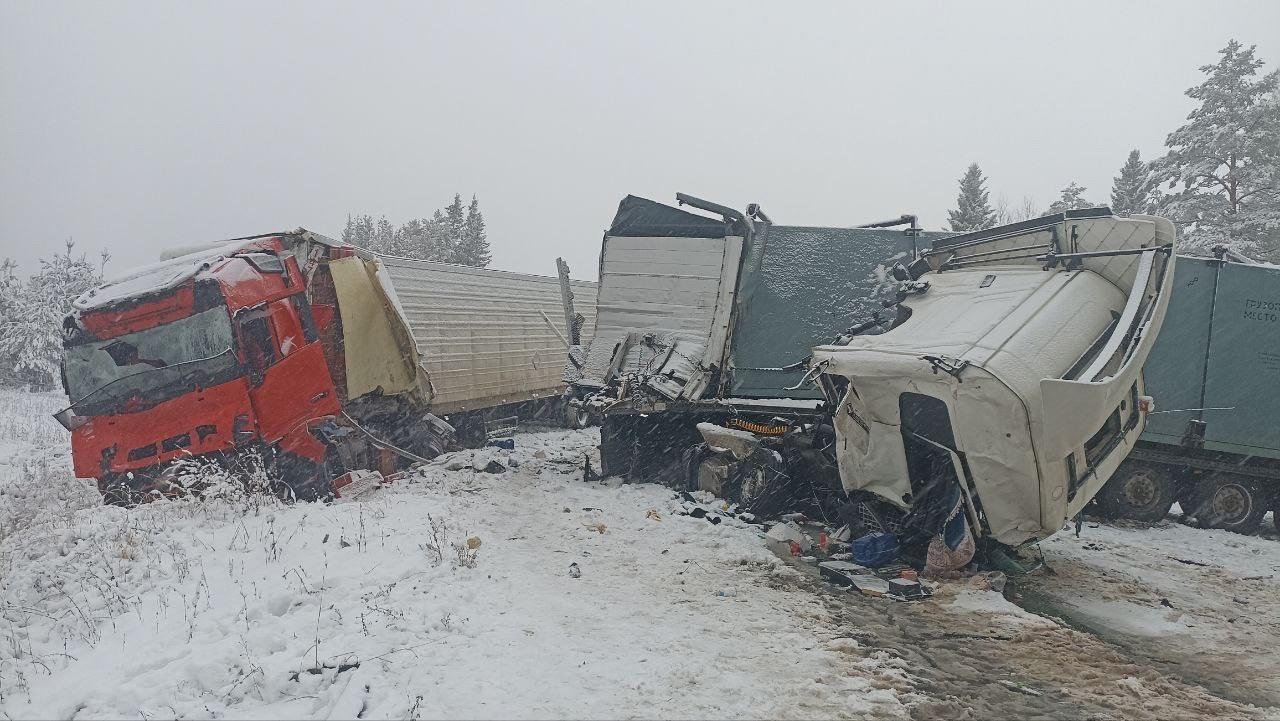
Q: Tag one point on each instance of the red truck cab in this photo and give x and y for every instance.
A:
(209, 353)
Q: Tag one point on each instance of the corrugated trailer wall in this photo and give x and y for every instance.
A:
(482, 333)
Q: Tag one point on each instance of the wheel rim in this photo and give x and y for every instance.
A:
(1230, 504)
(1140, 490)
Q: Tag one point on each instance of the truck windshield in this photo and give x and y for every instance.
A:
(138, 370)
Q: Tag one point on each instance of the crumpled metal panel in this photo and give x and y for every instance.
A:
(664, 286)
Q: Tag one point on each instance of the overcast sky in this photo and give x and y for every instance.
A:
(139, 125)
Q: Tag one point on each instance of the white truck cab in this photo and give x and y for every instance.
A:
(1013, 369)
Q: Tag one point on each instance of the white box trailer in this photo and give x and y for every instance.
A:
(487, 338)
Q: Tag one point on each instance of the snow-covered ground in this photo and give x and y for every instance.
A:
(378, 608)
(450, 594)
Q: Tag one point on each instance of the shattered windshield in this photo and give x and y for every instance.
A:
(149, 366)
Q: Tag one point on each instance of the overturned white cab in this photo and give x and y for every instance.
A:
(1013, 369)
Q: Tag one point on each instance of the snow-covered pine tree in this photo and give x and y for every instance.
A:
(10, 288)
(1072, 198)
(973, 209)
(384, 236)
(439, 239)
(358, 231)
(410, 240)
(31, 337)
(1224, 163)
(1132, 189)
(455, 220)
(474, 248)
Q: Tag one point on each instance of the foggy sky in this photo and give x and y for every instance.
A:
(140, 125)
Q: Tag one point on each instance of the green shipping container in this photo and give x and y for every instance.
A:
(1217, 359)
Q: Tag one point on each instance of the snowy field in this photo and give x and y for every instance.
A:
(380, 609)
(451, 595)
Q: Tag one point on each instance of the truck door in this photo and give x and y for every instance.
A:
(289, 382)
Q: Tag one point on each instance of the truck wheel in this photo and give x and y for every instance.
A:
(1232, 503)
(576, 418)
(1138, 491)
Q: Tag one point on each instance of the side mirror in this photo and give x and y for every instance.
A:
(69, 420)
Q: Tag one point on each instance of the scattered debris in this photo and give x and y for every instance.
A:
(574, 571)
(354, 483)
(787, 538)
(504, 443)
(473, 543)
(653, 515)
(906, 589)
(875, 549)
(597, 527)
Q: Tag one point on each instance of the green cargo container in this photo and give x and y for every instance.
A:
(1217, 359)
(1213, 441)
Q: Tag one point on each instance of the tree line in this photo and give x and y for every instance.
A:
(1218, 181)
(449, 235)
(31, 314)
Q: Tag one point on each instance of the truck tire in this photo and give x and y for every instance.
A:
(576, 418)
(1232, 503)
(1138, 491)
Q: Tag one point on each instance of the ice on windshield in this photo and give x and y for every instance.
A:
(157, 357)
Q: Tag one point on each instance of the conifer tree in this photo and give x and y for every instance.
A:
(31, 327)
(1131, 190)
(1224, 163)
(1072, 198)
(973, 209)
(474, 247)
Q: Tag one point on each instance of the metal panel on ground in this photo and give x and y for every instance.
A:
(1244, 362)
(486, 336)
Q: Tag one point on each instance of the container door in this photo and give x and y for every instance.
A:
(1175, 370)
(1244, 362)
